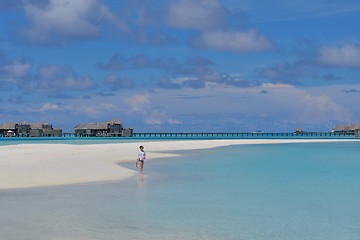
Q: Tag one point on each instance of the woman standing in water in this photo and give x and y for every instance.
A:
(141, 158)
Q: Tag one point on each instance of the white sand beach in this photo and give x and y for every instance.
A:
(36, 165)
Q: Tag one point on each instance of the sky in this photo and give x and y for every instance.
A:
(181, 65)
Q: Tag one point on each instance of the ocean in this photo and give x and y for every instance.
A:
(292, 191)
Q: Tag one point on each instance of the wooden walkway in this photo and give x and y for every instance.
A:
(245, 135)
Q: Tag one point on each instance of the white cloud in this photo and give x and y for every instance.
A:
(53, 77)
(272, 85)
(138, 102)
(141, 104)
(64, 18)
(346, 56)
(13, 71)
(181, 80)
(233, 41)
(49, 106)
(159, 116)
(322, 109)
(200, 14)
(18, 68)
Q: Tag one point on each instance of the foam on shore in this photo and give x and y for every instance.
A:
(37, 165)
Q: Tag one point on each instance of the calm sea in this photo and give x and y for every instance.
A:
(274, 192)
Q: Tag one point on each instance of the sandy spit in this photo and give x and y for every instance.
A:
(37, 165)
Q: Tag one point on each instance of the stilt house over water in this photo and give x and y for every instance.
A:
(113, 128)
(351, 129)
(24, 129)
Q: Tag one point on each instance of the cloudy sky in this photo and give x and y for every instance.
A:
(181, 65)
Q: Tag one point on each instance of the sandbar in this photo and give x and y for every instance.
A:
(39, 165)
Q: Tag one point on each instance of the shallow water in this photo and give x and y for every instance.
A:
(277, 191)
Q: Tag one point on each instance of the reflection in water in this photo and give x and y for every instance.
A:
(140, 181)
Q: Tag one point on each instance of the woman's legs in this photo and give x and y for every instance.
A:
(141, 165)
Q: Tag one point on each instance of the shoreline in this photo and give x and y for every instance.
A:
(41, 165)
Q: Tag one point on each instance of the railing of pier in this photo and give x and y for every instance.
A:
(245, 135)
(224, 135)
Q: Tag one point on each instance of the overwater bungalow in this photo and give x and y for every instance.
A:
(348, 129)
(7, 129)
(24, 129)
(113, 128)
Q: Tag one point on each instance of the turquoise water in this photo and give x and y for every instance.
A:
(275, 191)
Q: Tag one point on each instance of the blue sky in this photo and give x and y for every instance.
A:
(182, 65)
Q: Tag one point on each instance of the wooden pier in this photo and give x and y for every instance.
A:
(246, 135)
(226, 135)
